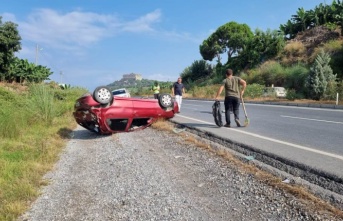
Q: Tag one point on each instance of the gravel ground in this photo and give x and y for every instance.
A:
(152, 175)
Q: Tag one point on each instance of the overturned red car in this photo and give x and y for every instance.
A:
(103, 113)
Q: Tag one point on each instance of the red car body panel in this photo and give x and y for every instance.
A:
(122, 115)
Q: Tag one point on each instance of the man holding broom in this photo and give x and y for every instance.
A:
(232, 96)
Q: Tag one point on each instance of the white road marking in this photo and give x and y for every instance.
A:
(193, 105)
(274, 140)
(301, 118)
(279, 106)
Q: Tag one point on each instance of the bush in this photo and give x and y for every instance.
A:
(253, 76)
(253, 91)
(296, 77)
(291, 95)
(272, 73)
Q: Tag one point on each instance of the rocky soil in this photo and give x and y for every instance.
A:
(157, 175)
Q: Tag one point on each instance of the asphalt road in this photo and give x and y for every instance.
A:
(309, 136)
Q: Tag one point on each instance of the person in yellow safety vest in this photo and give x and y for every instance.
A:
(156, 89)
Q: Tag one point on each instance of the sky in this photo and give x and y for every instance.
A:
(91, 43)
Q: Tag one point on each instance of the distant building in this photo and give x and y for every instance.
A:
(132, 76)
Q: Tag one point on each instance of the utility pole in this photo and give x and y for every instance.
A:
(37, 51)
(36, 54)
(61, 76)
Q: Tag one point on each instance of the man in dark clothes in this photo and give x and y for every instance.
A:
(177, 90)
(232, 95)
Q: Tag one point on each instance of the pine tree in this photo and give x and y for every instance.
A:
(320, 77)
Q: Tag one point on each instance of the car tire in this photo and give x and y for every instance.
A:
(103, 95)
(165, 100)
(217, 113)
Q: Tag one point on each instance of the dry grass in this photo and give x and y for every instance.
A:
(294, 52)
(330, 47)
(15, 87)
(299, 191)
(295, 49)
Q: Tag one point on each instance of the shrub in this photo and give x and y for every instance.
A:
(253, 91)
(291, 95)
(273, 73)
(253, 76)
(296, 77)
(340, 90)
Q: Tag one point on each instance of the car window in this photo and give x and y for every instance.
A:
(139, 123)
(118, 92)
(117, 124)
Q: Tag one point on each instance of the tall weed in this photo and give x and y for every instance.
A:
(12, 121)
(12, 114)
(32, 127)
(41, 103)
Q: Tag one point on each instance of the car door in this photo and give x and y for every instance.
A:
(118, 116)
(145, 108)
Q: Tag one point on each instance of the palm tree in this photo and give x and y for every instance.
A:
(301, 19)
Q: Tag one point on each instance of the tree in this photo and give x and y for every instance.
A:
(211, 49)
(9, 44)
(198, 72)
(21, 70)
(301, 19)
(288, 29)
(320, 76)
(262, 46)
(321, 15)
(229, 38)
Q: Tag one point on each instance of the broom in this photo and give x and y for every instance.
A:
(247, 121)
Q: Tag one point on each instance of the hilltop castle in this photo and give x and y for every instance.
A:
(132, 76)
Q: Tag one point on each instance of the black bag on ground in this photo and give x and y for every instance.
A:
(217, 113)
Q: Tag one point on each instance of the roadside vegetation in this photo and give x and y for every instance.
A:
(35, 123)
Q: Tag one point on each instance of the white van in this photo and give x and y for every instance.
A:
(279, 92)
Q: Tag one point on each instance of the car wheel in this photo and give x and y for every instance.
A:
(165, 100)
(103, 95)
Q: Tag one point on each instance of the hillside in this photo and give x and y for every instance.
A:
(317, 36)
(307, 44)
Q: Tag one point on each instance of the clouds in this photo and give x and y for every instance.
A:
(95, 47)
(144, 23)
(78, 28)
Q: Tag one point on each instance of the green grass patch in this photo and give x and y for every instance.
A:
(31, 140)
